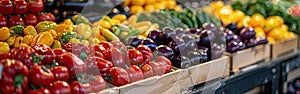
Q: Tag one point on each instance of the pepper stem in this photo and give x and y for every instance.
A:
(18, 80)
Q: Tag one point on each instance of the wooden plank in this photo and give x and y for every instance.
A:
(113, 90)
(249, 56)
(293, 75)
(166, 84)
(205, 72)
(284, 47)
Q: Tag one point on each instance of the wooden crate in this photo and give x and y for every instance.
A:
(284, 47)
(205, 72)
(166, 84)
(113, 90)
(248, 57)
(290, 77)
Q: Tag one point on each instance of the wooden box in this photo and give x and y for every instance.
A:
(284, 47)
(113, 90)
(166, 84)
(248, 57)
(205, 72)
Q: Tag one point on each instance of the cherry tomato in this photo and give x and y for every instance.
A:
(25, 55)
(43, 17)
(39, 91)
(158, 68)
(60, 87)
(147, 71)
(61, 73)
(78, 88)
(72, 62)
(40, 76)
(15, 20)
(46, 51)
(35, 6)
(98, 84)
(119, 76)
(30, 19)
(6, 7)
(135, 57)
(20, 7)
(98, 64)
(166, 62)
(3, 21)
(135, 73)
(51, 17)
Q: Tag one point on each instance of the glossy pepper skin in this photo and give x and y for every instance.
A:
(14, 77)
(26, 55)
(67, 36)
(72, 62)
(46, 51)
(40, 76)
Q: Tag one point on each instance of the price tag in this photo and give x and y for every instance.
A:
(1, 70)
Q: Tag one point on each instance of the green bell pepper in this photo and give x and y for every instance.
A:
(45, 25)
(65, 38)
(17, 29)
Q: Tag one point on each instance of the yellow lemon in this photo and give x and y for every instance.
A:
(272, 22)
(244, 22)
(259, 31)
(217, 5)
(225, 11)
(284, 27)
(276, 33)
(171, 4)
(257, 20)
(150, 2)
(149, 8)
(136, 9)
(159, 5)
(138, 2)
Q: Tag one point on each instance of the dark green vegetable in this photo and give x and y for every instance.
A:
(65, 38)
(17, 29)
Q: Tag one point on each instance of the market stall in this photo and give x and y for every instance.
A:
(149, 46)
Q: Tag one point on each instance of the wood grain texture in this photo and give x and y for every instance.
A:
(284, 47)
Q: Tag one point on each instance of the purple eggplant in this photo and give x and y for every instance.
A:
(154, 35)
(194, 31)
(232, 46)
(166, 36)
(261, 40)
(195, 57)
(228, 35)
(163, 50)
(190, 42)
(149, 43)
(215, 52)
(250, 42)
(204, 53)
(179, 32)
(237, 38)
(247, 33)
(177, 45)
(206, 38)
(209, 26)
(242, 46)
(233, 27)
(133, 41)
(181, 62)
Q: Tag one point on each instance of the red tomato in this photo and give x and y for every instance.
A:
(30, 19)
(35, 6)
(40, 76)
(98, 84)
(39, 91)
(43, 17)
(15, 20)
(20, 7)
(147, 71)
(60, 87)
(135, 57)
(78, 88)
(135, 73)
(6, 7)
(3, 21)
(26, 55)
(119, 76)
(46, 51)
(98, 64)
(51, 17)
(61, 73)
(166, 62)
(116, 56)
(158, 68)
(72, 62)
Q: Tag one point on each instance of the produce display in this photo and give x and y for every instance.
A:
(144, 38)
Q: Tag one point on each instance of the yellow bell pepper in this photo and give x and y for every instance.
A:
(30, 30)
(85, 42)
(68, 22)
(272, 22)
(120, 17)
(53, 33)
(105, 24)
(257, 20)
(56, 44)
(94, 41)
(74, 40)
(84, 31)
(24, 45)
(18, 41)
(43, 38)
(28, 39)
(4, 34)
(115, 21)
(62, 28)
(4, 48)
(11, 40)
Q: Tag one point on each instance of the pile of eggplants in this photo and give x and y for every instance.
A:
(241, 38)
(184, 47)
